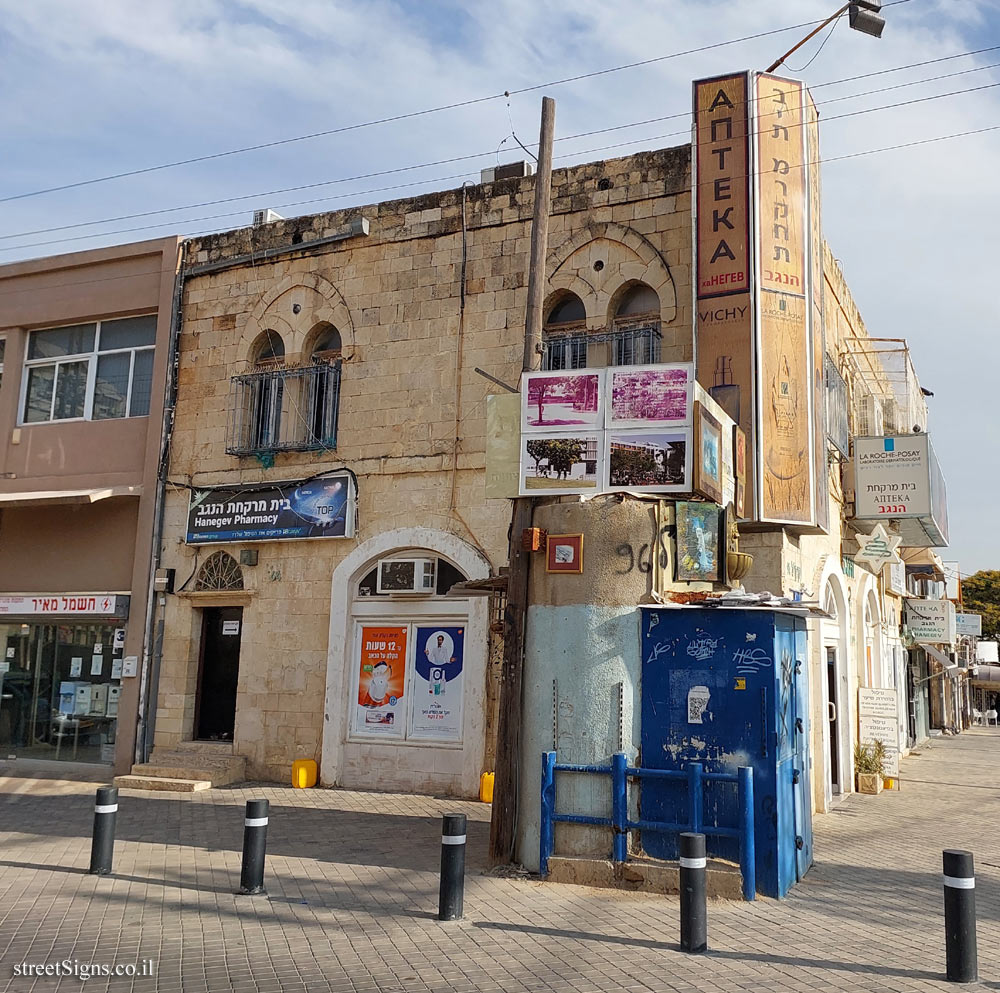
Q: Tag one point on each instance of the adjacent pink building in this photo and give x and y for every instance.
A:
(84, 340)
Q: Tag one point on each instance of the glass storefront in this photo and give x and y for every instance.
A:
(59, 690)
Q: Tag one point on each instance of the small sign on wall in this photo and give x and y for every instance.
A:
(130, 666)
(230, 627)
(564, 553)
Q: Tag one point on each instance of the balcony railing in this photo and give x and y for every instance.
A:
(284, 410)
(623, 346)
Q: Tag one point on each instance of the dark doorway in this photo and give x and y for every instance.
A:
(218, 673)
(833, 718)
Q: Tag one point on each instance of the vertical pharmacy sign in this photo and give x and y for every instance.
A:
(723, 250)
(783, 304)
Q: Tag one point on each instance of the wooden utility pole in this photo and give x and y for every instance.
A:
(503, 825)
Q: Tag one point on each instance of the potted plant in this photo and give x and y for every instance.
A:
(868, 762)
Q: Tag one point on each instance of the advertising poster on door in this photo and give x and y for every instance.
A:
(439, 657)
(381, 680)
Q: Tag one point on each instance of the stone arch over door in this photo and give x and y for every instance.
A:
(834, 634)
(340, 652)
(598, 260)
(319, 302)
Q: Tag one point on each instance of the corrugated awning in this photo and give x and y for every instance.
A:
(479, 587)
(36, 498)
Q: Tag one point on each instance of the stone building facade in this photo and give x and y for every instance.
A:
(379, 290)
(351, 345)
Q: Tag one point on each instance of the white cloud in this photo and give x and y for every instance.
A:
(111, 85)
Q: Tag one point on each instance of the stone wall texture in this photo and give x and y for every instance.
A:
(412, 415)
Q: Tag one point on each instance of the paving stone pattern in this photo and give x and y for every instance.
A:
(352, 897)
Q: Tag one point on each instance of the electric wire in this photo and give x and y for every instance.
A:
(582, 134)
(829, 35)
(305, 245)
(411, 114)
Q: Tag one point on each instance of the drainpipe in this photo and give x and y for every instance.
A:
(153, 647)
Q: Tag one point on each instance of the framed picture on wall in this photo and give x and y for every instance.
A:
(699, 542)
(564, 553)
(707, 454)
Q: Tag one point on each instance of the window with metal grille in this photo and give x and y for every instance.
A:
(625, 346)
(565, 353)
(284, 410)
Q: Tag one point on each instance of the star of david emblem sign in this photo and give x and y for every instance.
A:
(878, 549)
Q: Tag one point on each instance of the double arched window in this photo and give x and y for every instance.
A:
(630, 337)
(281, 406)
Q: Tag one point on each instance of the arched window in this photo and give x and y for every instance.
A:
(445, 576)
(326, 344)
(268, 349)
(830, 604)
(637, 326)
(321, 386)
(266, 391)
(565, 344)
(220, 572)
(568, 309)
(639, 300)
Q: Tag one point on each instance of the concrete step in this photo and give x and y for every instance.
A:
(203, 747)
(145, 782)
(219, 769)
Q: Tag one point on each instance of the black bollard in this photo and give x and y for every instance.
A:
(450, 897)
(254, 846)
(105, 813)
(694, 915)
(960, 917)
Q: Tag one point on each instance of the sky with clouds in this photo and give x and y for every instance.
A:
(112, 86)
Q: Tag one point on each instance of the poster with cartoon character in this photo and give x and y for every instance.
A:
(436, 707)
(381, 681)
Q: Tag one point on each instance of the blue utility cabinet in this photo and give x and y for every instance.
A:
(728, 687)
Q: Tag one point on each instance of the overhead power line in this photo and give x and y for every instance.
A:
(305, 245)
(582, 134)
(394, 118)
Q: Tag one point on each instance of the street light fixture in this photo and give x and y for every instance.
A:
(863, 16)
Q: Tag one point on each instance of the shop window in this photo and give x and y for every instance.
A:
(60, 690)
(220, 572)
(95, 371)
(278, 408)
(409, 663)
(3, 345)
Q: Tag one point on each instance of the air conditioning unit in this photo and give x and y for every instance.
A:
(266, 216)
(407, 576)
(509, 170)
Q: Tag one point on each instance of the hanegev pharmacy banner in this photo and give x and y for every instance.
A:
(296, 509)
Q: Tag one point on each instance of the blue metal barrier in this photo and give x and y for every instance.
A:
(621, 772)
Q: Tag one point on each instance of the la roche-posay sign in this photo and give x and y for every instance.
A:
(931, 622)
(892, 477)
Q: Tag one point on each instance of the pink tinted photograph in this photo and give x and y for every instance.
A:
(556, 400)
(645, 395)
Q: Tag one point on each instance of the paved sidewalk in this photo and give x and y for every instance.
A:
(352, 895)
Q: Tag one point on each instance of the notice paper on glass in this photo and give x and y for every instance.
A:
(75, 667)
(96, 664)
(116, 668)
